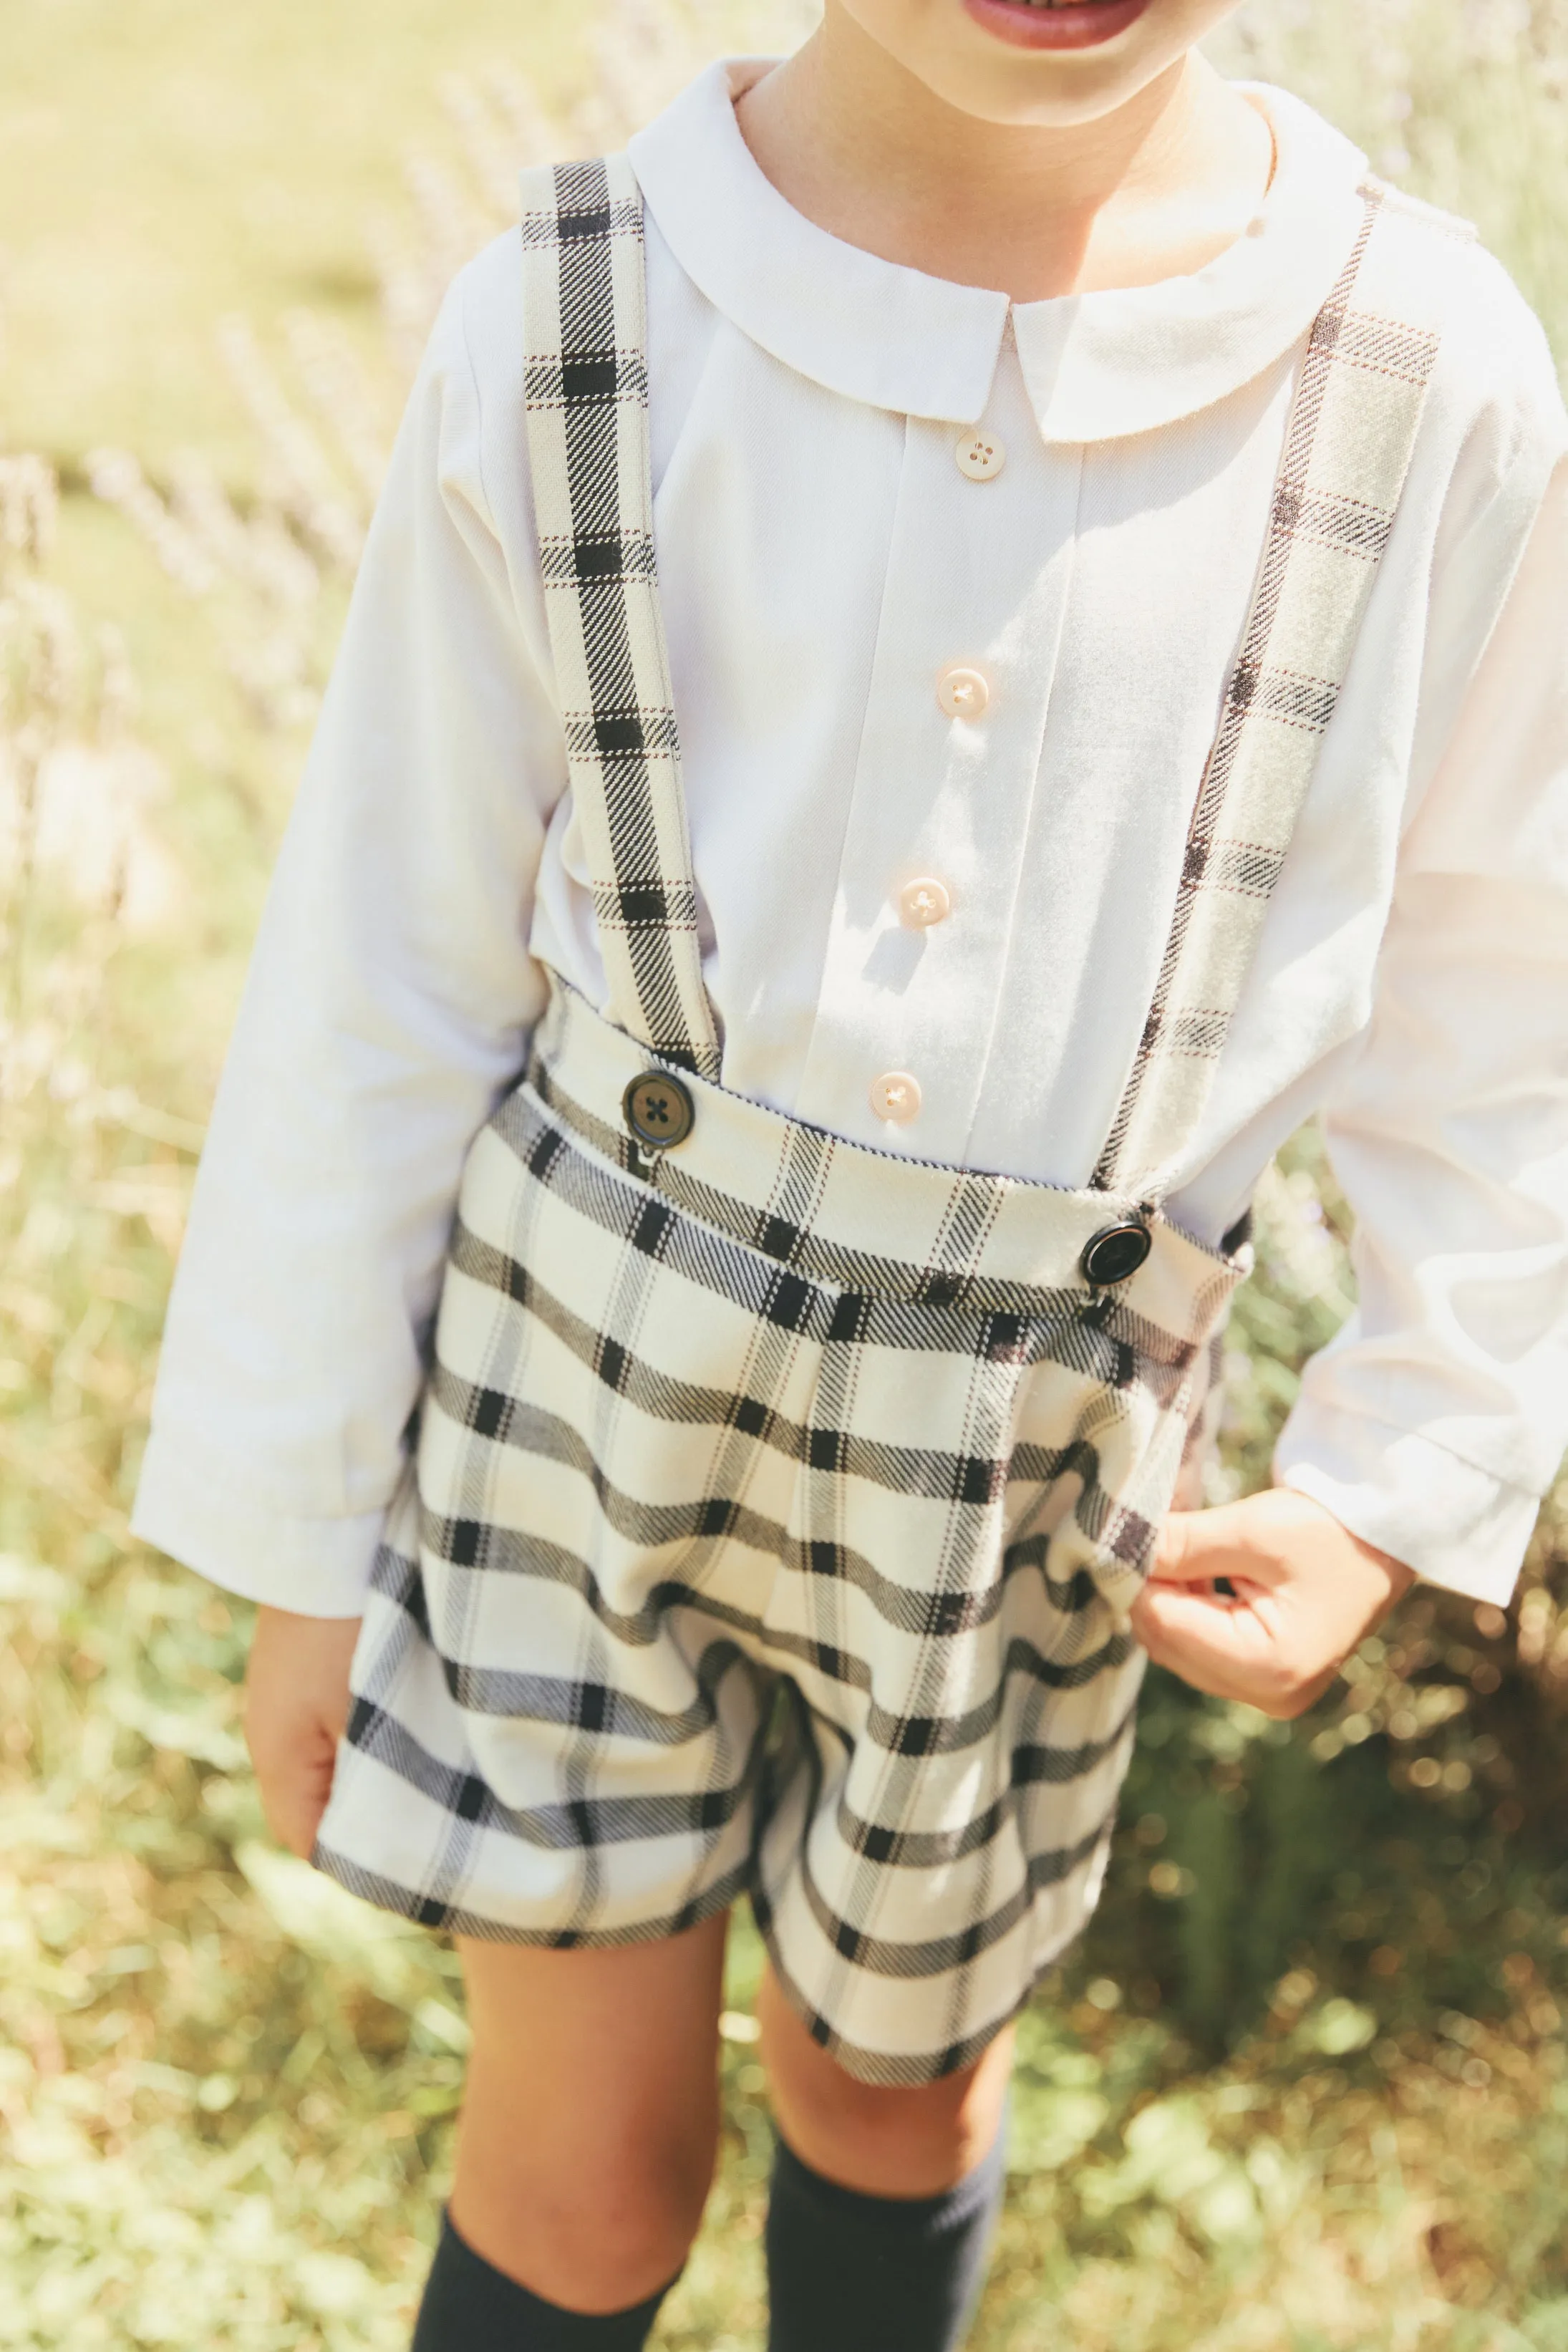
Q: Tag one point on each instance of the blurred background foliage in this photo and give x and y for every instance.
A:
(1302, 2090)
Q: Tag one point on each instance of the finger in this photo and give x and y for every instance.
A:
(1228, 1632)
(294, 1813)
(1189, 1669)
(296, 1782)
(289, 1817)
(1221, 1647)
(1195, 1547)
(1194, 1676)
(1239, 1652)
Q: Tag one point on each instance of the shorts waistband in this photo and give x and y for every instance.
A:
(847, 1216)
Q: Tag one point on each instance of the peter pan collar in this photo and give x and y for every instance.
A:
(1097, 366)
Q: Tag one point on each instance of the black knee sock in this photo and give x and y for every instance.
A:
(854, 2273)
(470, 2306)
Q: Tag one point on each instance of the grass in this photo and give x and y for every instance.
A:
(175, 160)
(1303, 2088)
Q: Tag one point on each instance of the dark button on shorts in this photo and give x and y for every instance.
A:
(658, 1110)
(1116, 1253)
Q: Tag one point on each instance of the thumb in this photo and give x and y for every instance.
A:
(1197, 1546)
(1184, 1548)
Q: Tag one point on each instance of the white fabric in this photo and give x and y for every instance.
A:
(822, 557)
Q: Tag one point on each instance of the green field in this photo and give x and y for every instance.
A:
(1304, 2090)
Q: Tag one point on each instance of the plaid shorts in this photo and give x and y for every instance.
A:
(778, 1503)
(745, 1556)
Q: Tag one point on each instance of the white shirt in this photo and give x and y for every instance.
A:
(822, 557)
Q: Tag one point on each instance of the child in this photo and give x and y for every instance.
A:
(1110, 560)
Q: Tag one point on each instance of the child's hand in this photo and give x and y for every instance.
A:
(1305, 1592)
(296, 1705)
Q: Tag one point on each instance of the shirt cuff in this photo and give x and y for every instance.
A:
(1455, 1525)
(315, 1567)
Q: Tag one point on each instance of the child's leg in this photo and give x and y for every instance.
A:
(884, 2200)
(589, 2123)
(885, 2143)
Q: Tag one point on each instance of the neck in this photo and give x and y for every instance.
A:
(1153, 189)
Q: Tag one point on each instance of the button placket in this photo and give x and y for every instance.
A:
(971, 573)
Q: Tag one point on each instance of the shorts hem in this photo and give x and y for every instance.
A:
(455, 1918)
(889, 2069)
(884, 2069)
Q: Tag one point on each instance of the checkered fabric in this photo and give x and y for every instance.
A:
(584, 308)
(1348, 449)
(778, 1502)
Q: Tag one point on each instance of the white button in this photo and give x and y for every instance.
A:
(896, 1096)
(924, 902)
(981, 454)
(961, 692)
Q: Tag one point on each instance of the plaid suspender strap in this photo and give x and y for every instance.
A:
(1348, 448)
(586, 386)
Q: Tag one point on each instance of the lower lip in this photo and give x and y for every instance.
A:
(1085, 25)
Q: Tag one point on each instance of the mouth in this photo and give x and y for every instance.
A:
(1055, 23)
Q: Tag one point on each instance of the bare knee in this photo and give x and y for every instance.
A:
(614, 2238)
(595, 2219)
(591, 2116)
(887, 2142)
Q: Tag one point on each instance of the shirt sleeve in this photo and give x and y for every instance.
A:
(1436, 1420)
(387, 1007)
